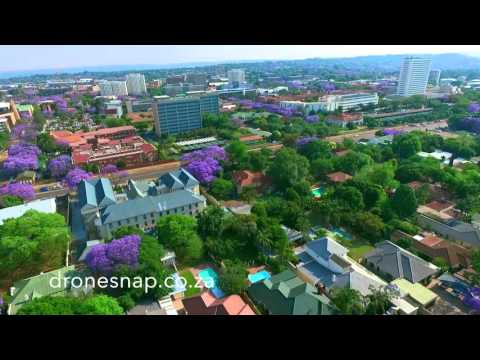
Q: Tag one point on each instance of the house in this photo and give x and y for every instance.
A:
(395, 262)
(287, 294)
(344, 119)
(338, 177)
(292, 235)
(251, 139)
(141, 205)
(244, 178)
(416, 293)
(433, 246)
(53, 283)
(451, 229)
(48, 206)
(341, 153)
(435, 190)
(325, 262)
(237, 207)
(152, 307)
(207, 304)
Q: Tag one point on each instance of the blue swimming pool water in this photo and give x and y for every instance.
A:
(259, 276)
(210, 277)
(342, 233)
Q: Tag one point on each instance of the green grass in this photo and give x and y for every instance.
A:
(357, 251)
(191, 289)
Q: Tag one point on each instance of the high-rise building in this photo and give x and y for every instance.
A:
(136, 84)
(175, 79)
(236, 76)
(434, 77)
(181, 114)
(196, 79)
(113, 88)
(413, 77)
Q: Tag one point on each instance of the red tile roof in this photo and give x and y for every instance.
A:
(431, 240)
(439, 205)
(251, 138)
(346, 117)
(248, 178)
(339, 177)
(206, 304)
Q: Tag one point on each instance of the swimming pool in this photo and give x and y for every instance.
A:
(210, 279)
(342, 233)
(259, 276)
(318, 192)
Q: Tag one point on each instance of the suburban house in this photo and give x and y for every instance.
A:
(394, 262)
(417, 294)
(207, 304)
(325, 262)
(246, 178)
(433, 246)
(141, 205)
(48, 206)
(344, 119)
(287, 294)
(450, 228)
(338, 177)
(40, 285)
(436, 191)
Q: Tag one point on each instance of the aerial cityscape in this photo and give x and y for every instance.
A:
(246, 180)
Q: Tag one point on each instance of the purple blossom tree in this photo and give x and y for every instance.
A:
(205, 164)
(473, 108)
(106, 258)
(312, 119)
(75, 176)
(109, 169)
(60, 166)
(22, 157)
(301, 142)
(392, 132)
(24, 132)
(24, 191)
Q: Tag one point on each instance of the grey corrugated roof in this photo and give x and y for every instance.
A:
(149, 204)
(326, 247)
(96, 193)
(178, 179)
(400, 263)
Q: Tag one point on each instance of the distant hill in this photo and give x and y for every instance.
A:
(384, 63)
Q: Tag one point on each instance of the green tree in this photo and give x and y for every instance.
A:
(347, 301)
(406, 145)
(211, 221)
(237, 152)
(32, 243)
(258, 160)
(9, 200)
(459, 148)
(349, 197)
(322, 167)
(222, 189)
(288, 168)
(233, 278)
(369, 226)
(316, 149)
(352, 162)
(441, 263)
(404, 201)
(57, 305)
(178, 232)
(126, 230)
(378, 301)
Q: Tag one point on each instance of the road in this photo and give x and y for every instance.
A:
(146, 173)
(370, 133)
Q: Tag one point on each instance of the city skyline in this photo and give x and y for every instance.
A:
(17, 58)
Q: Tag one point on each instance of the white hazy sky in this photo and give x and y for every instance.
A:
(32, 57)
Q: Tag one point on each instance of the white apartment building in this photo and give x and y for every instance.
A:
(414, 74)
(333, 102)
(113, 88)
(136, 84)
(434, 77)
(236, 75)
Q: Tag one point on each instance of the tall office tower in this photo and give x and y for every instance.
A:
(113, 88)
(175, 79)
(434, 77)
(413, 76)
(236, 76)
(136, 84)
(181, 114)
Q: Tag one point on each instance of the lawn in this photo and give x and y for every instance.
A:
(191, 289)
(357, 247)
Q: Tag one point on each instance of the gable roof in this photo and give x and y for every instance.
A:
(326, 247)
(339, 176)
(178, 179)
(248, 178)
(400, 263)
(149, 204)
(207, 304)
(96, 193)
(287, 294)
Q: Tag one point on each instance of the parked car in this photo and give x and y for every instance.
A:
(44, 189)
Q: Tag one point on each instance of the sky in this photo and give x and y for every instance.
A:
(36, 57)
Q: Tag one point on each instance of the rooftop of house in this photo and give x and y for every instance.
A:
(46, 206)
(440, 205)
(417, 292)
(248, 138)
(400, 263)
(287, 294)
(38, 286)
(249, 178)
(207, 304)
(339, 177)
(96, 193)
